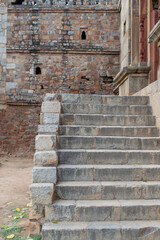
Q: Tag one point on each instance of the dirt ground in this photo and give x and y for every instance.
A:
(15, 178)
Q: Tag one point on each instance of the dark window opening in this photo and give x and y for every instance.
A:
(38, 70)
(83, 36)
(67, 2)
(155, 4)
(97, 2)
(42, 87)
(18, 2)
(35, 3)
(85, 78)
(107, 80)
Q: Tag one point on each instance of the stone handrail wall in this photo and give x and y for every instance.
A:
(45, 161)
(153, 91)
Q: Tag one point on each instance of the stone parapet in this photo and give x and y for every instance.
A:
(153, 91)
(45, 160)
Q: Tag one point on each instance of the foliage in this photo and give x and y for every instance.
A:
(14, 231)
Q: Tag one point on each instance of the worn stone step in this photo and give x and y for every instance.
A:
(103, 210)
(103, 99)
(77, 108)
(107, 120)
(147, 131)
(122, 230)
(97, 157)
(106, 142)
(108, 190)
(109, 172)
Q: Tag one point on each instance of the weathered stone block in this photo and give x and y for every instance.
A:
(42, 193)
(49, 118)
(34, 228)
(44, 175)
(36, 212)
(51, 107)
(60, 211)
(46, 158)
(52, 97)
(48, 128)
(45, 142)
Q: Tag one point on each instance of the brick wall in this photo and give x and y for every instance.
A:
(18, 127)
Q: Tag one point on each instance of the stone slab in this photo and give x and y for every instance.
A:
(42, 193)
(44, 175)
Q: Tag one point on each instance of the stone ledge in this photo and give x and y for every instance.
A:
(50, 50)
(61, 9)
(122, 76)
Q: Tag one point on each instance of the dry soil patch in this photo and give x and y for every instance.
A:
(15, 178)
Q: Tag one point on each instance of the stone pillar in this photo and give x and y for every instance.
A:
(3, 42)
(143, 31)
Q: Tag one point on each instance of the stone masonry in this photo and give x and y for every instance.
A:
(48, 47)
(97, 171)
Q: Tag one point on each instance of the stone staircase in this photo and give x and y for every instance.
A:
(108, 173)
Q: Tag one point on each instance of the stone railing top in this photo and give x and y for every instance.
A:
(133, 69)
(154, 35)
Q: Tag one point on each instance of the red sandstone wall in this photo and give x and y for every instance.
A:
(18, 127)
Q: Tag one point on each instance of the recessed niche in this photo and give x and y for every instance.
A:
(83, 35)
(38, 70)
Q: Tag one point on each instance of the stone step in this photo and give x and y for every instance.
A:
(106, 109)
(108, 190)
(103, 210)
(103, 157)
(106, 142)
(122, 230)
(109, 173)
(106, 120)
(147, 131)
(103, 99)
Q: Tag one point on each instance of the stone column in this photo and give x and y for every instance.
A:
(143, 31)
(3, 42)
